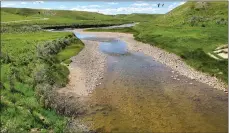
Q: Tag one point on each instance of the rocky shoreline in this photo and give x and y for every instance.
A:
(85, 69)
(173, 61)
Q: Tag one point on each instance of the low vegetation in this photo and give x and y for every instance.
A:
(69, 51)
(29, 73)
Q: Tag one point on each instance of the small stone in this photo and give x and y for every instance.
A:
(172, 71)
(178, 79)
(190, 83)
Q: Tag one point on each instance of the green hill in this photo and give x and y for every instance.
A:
(56, 17)
(191, 30)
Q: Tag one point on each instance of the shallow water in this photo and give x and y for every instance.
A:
(139, 94)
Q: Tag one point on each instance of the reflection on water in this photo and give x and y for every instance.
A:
(113, 47)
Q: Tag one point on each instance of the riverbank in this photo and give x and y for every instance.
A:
(169, 59)
(85, 70)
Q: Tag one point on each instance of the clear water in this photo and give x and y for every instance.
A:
(139, 94)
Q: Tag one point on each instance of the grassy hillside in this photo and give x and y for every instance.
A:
(191, 31)
(56, 17)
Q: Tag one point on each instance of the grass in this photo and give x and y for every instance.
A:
(22, 107)
(71, 50)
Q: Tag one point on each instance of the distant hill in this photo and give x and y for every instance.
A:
(80, 15)
(57, 17)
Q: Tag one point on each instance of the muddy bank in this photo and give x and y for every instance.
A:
(169, 59)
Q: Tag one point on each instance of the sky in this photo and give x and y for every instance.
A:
(110, 7)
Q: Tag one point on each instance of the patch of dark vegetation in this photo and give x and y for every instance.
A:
(60, 27)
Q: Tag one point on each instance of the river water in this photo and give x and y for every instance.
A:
(139, 94)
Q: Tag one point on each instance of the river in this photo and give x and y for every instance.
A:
(139, 94)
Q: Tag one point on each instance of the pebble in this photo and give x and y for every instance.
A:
(190, 83)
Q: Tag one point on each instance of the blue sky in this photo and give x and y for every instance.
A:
(117, 7)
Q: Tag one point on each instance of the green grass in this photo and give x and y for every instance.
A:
(22, 107)
(71, 50)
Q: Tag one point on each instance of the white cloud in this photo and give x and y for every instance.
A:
(38, 2)
(95, 6)
(120, 10)
(46, 8)
(140, 4)
(174, 5)
(7, 4)
(181, 3)
(23, 3)
(112, 3)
